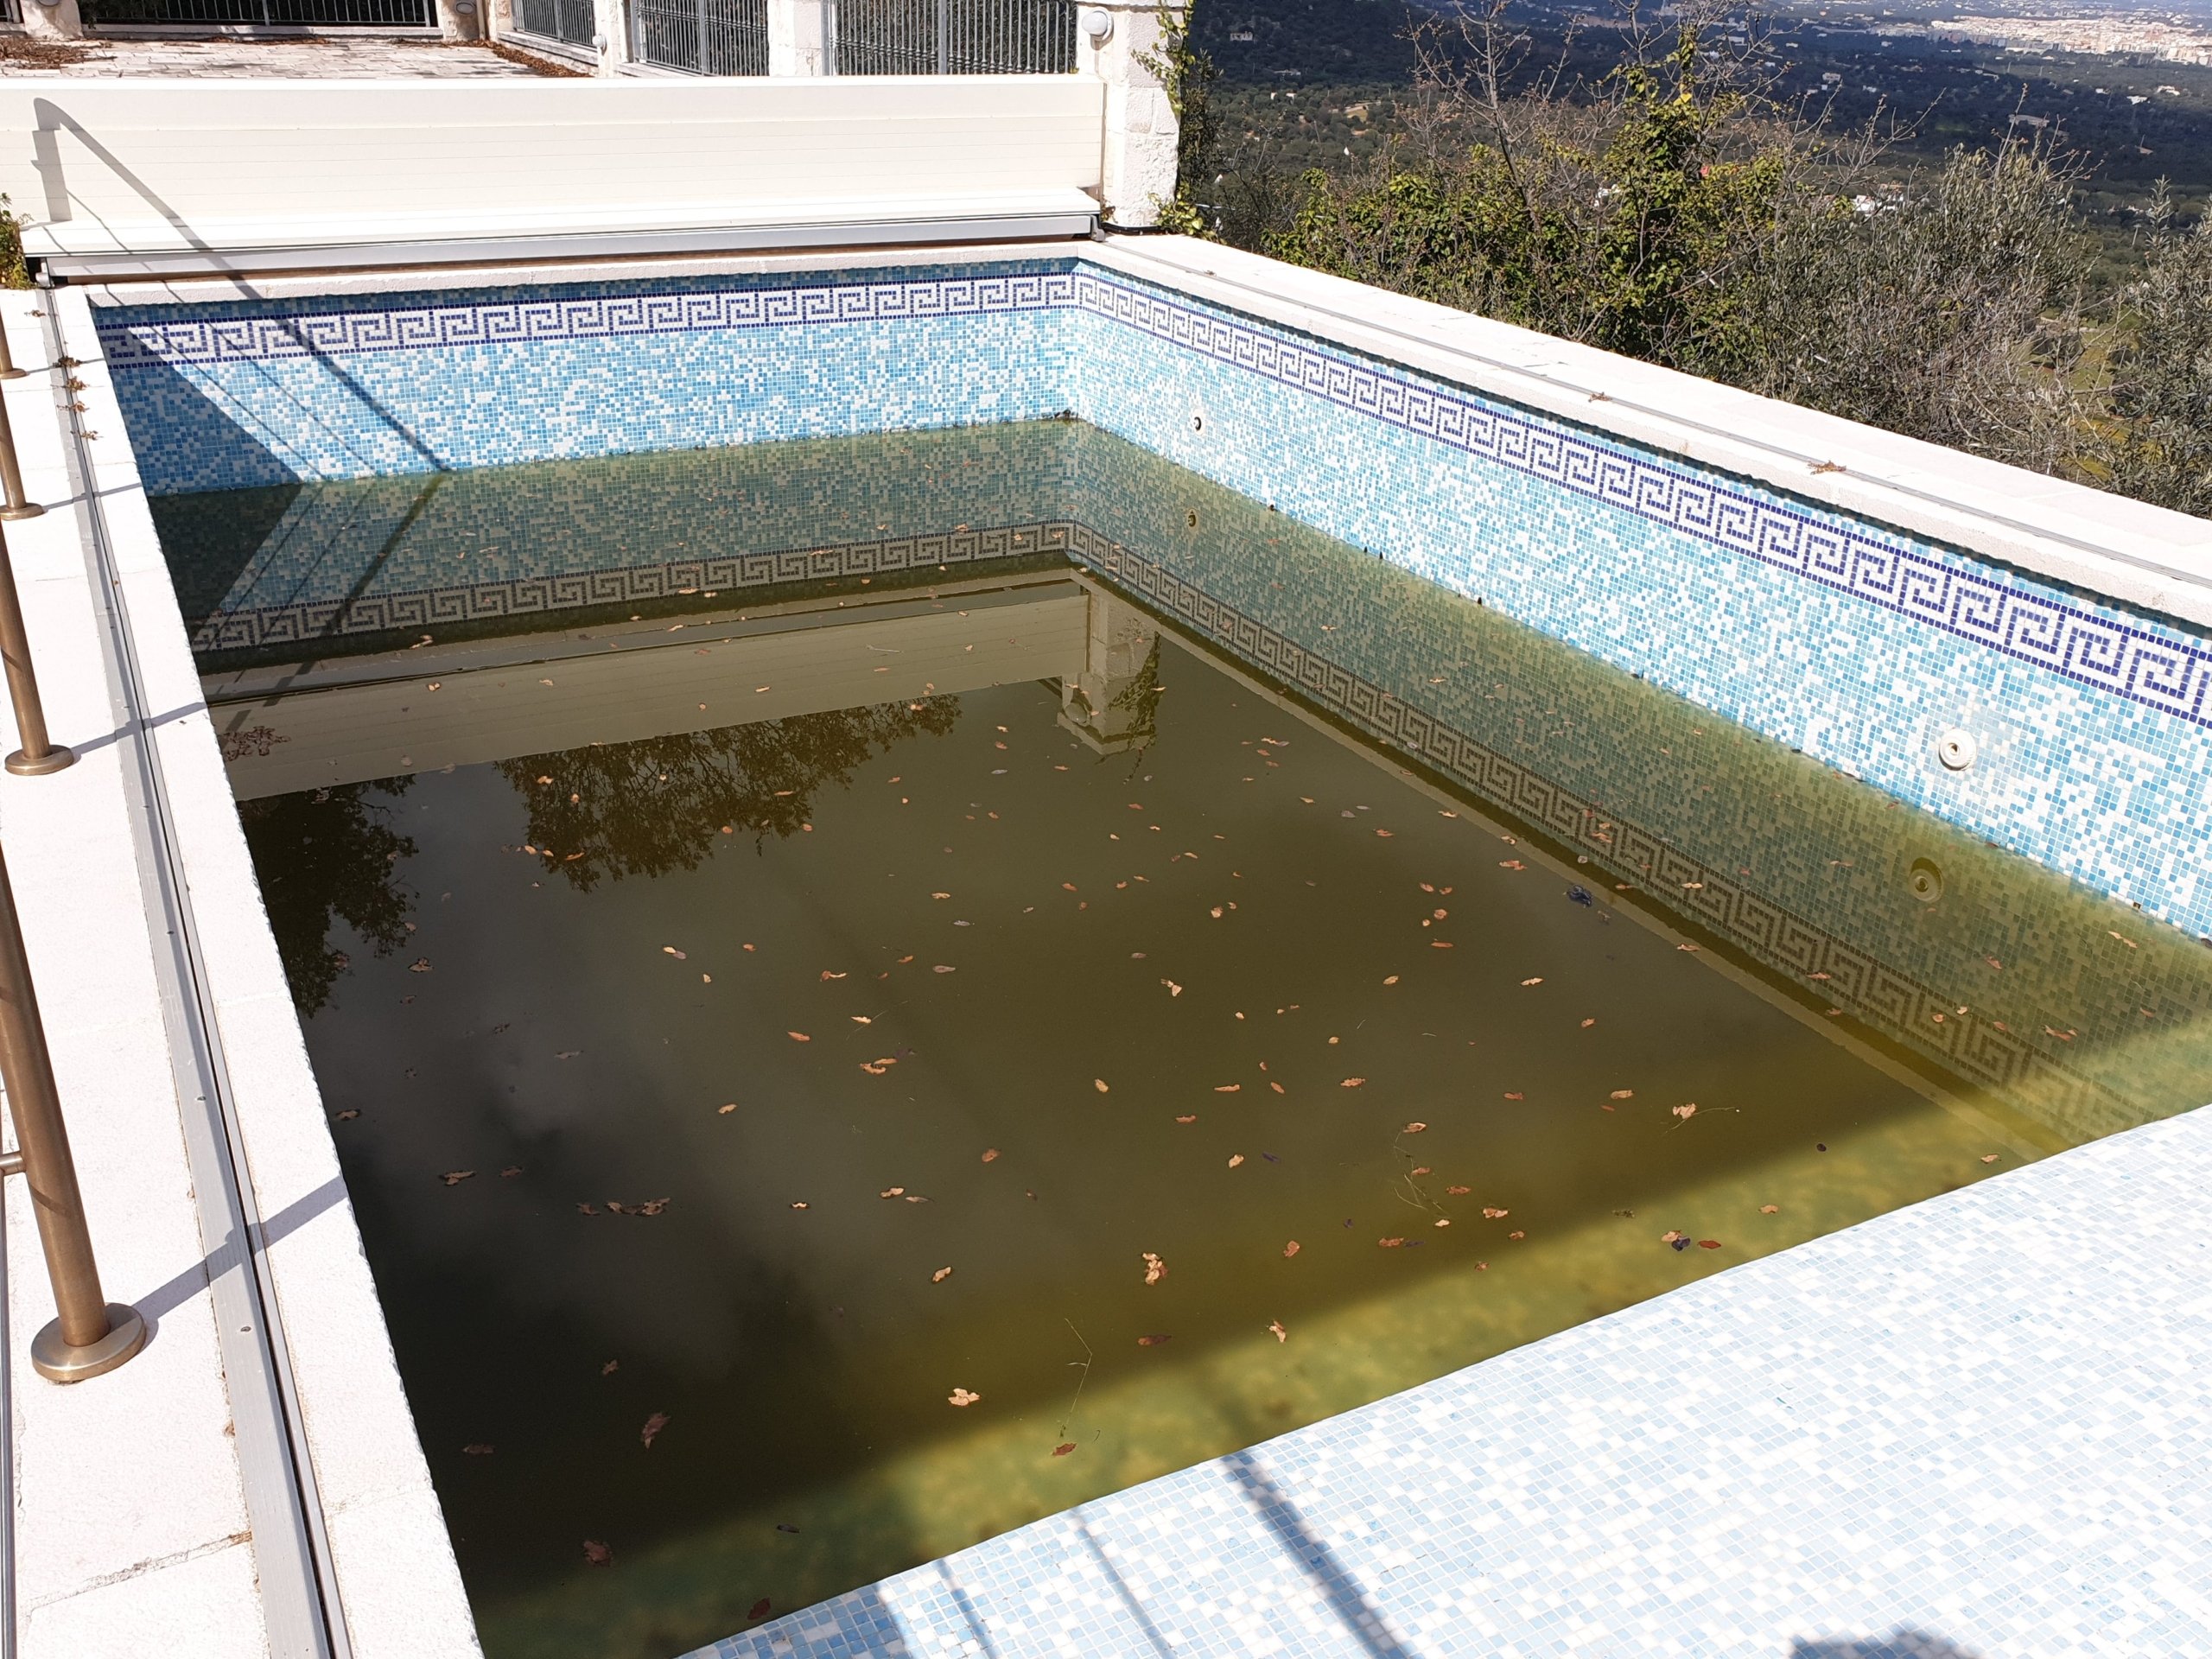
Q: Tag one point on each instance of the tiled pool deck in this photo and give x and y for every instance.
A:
(1978, 1428)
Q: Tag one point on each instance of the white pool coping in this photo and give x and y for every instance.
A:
(131, 1511)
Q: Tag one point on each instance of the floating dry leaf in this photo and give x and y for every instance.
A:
(1391, 1243)
(456, 1177)
(1174, 989)
(1235, 1158)
(1351, 1083)
(1153, 1341)
(671, 951)
(1391, 979)
(1687, 1109)
(1708, 1243)
(478, 1450)
(726, 1108)
(1515, 1094)
(1988, 1157)
(1063, 1448)
(1190, 1117)
(1537, 980)
(798, 1037)
(1275, 1326)
(892, 1192)
(758, 1611)
(940, 1275)
(962, 1397)
(1414, 1128)
(1770, 1209)
(1290, 1249)
(1457, 1192)
(799, 1206)
(610, 1368)
(349, 1114)
(1623, 1093)
(1278, 1088)
(1446, 1222)
(1099, 1084)
(654, 1424)
(942, 968)
(990, 1154)
(420, 965)
(1490, 1214)
(596, 1554)
(1517, 1235)
(863, 1019)
(1155, 1268)
(1511, 864)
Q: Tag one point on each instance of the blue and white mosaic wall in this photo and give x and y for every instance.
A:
(1857, 645)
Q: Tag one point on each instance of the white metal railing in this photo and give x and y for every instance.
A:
(704, 37)
(954, 37)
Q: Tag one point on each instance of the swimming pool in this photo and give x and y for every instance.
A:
(833, 1067)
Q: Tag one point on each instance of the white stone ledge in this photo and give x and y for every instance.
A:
(2108, 545)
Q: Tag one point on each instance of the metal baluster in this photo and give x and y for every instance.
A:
(91, 1334)
(40, 754)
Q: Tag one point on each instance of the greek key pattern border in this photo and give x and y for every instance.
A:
(1873, 990)
(132, 342)
(316, 622)
(2172, 677)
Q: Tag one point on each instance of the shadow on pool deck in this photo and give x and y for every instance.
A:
(1904, 1642)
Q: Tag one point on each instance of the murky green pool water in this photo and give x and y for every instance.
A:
(870, 991)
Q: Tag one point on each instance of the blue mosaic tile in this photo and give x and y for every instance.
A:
(1846, 640)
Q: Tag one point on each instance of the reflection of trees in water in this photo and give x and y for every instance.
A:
(327, 855)
(661, 803)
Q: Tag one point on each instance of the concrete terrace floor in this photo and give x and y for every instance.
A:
(324, 57)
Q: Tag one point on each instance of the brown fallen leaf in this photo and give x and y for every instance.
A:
(1457, 1192)
(610, 1368)
(1155, 1268)
(1290, 1249)
(1390, 980)
(478, 1450)
(940, 1275)
(1514, 1094)
(456, 1177)
(1988, 1157)
(1235, 1158)
(962, 1397)
(799, 1206)
(1490, 1214)
(420, 965)
(990, 1154)
(1422, 1169)
(892, 1192)
(510, 1172)
(1063, 1448)
(1099, 1084)
(671, 951)
(1708, 1243)
(1227, 1088)
(1517, 1235)
(596, 1554)
(1153, 1341)
(1537, 980)
(654, 1424)
(726, 1108)
(758, 1611)
(1770, 1209)
(348, 1114)
(586, 1209)
(1275, 1326)
(1351, 1083)
(1414, 1128)
(1623, 1093)
(1686, 1110)
(1191, 1118)
(1391, 1243)
(1277, 1087)
(1511, 864)
(798, 1037)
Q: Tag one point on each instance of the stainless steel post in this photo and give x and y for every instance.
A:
(40, 754)
(90, 1335)
(12, 502)
(8, 369)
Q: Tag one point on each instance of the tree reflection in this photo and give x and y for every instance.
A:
(661, 803)
(329, 855)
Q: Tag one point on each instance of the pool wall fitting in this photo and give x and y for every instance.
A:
(1825, 628)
